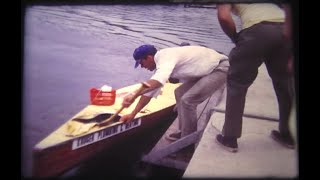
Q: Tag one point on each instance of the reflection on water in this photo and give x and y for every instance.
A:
(70, 49)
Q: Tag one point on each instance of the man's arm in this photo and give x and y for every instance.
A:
(153, 84)
(144, 100)
(287, 31)
(226, 21)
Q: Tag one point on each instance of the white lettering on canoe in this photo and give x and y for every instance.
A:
(105, 133)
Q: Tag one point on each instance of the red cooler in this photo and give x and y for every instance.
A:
(102, 98)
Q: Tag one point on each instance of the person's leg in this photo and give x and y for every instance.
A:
(199, 92)
(276, 64)
(245, 60)
(179, 92)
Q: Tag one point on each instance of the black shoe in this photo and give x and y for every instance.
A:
(285, 140)
(228, 143)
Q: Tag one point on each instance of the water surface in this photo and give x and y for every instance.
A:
(69, 49)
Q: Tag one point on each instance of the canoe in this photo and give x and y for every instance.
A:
(61, 150)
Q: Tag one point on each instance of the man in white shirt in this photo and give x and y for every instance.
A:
(201, 70)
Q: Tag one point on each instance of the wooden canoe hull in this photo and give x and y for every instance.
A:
(56, 160)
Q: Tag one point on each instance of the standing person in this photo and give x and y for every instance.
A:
(287, 31)
(260, 40)
(201, 70)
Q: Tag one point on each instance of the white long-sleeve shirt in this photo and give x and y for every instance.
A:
(184, 63)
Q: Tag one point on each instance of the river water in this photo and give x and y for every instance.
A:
(70, 49)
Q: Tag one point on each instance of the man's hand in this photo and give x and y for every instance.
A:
(127, 118)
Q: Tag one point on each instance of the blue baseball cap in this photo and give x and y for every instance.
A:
(142, 52)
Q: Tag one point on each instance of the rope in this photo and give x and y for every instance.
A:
(205, 107)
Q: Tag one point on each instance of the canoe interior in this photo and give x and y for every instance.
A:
(54, 155)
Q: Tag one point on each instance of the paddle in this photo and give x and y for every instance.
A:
(87, 124)
(97, 118)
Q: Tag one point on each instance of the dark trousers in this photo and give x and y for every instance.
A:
(259, 43)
